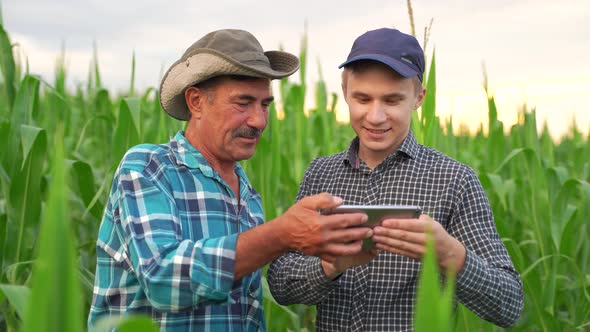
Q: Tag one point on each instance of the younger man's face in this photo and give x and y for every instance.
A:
(380, 103)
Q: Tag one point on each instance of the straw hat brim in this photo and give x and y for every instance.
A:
(207, 63)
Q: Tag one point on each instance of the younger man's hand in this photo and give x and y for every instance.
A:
(407, 237)
(343, 263)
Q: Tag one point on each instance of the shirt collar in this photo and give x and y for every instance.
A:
(408, 148)
(187, 155)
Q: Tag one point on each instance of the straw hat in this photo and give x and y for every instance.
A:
(221, 52)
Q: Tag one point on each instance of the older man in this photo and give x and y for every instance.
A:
(385, 165)
(183, 238)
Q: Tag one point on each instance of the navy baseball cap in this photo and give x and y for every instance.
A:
(396, 49)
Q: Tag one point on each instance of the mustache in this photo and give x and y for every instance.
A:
(247, 131)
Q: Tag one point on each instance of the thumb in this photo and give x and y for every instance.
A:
(321, 201)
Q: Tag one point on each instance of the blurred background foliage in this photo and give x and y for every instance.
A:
(59, 148)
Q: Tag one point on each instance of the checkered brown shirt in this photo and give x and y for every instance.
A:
(380, 296)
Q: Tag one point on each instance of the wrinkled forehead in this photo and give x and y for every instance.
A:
(255, 87)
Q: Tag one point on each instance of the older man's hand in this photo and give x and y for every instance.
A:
(326, 236)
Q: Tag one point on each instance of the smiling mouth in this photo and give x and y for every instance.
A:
(377, 131)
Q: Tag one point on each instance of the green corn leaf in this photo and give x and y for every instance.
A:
(60, 71)
(134, 106)
(513, 154)
(497, 185)
(25, 198)
(4, 150)
(27, 99)
(138, 324)
(7, 65)
(492, 113)
(416, 127)
(132, 80)
(83, 184)
(303, 59)
(284, 318)
(18, 297)
(134, 323)
(154, 118)
(515, 253)
(127, 130)
(433, 306)
(22, 114)
(495, 146)
(3, 221)
(429, 119)
(96, 69)
(55, 297)
(445, 311)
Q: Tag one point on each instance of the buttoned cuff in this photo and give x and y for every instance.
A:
(471, 278)
(317, 278)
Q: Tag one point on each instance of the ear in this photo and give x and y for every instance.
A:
(420, 98)
(343, 83)
(194, 98)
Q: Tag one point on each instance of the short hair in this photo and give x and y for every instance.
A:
(362, 66)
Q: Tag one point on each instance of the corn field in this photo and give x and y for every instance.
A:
(59, 149)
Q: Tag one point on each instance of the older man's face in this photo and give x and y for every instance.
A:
(233, 116)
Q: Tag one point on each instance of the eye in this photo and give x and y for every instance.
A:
(362, 100)
(243, 103)
(393, 101)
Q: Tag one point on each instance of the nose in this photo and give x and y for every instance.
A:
(258, 117)
(376, 114)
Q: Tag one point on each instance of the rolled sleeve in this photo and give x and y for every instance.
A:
(212, 271)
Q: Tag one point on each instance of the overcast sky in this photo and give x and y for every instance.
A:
(535, 51)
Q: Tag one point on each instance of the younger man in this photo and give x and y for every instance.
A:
(384, 164)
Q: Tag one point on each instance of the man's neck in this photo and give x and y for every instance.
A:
(226, 170)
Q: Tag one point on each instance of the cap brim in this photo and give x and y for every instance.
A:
(399, 66)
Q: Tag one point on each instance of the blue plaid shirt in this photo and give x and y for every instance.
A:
(167, 243)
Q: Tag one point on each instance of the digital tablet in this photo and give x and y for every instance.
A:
(378, 213)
